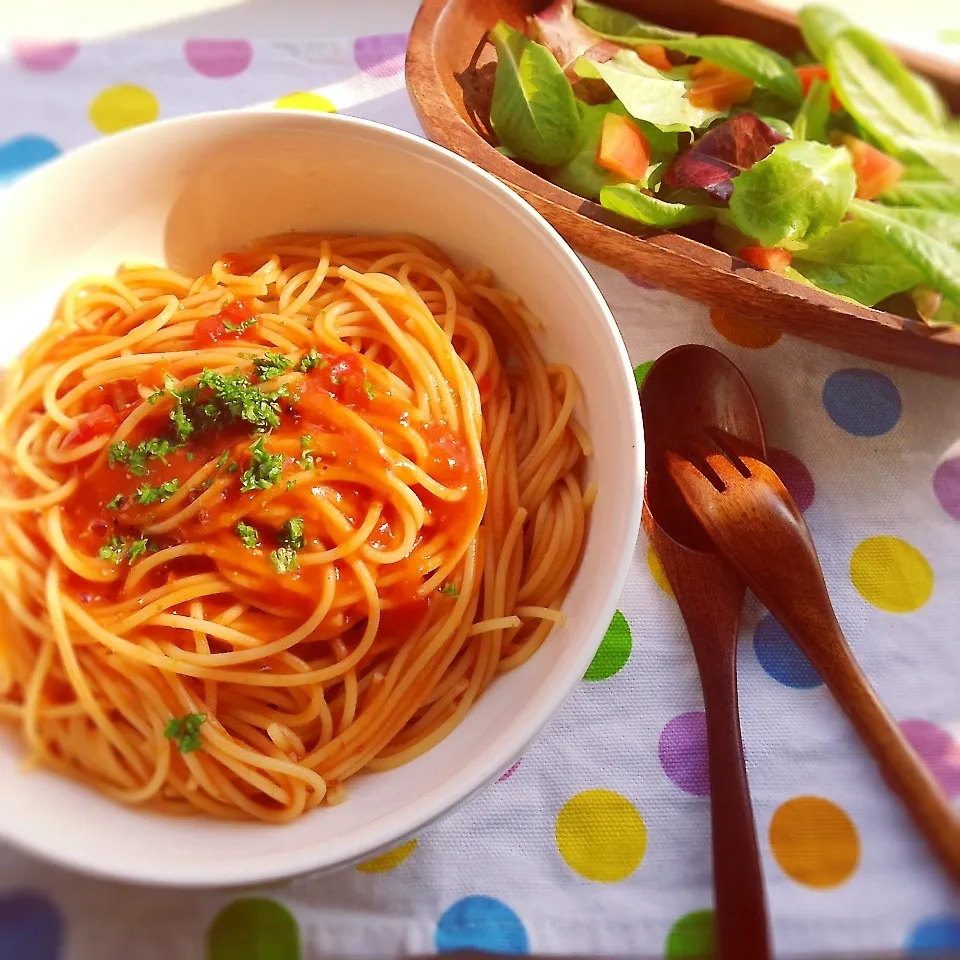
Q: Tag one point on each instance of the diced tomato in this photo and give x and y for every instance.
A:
(157, 375)
(704, 68)
(767, 258)
(449, 459)
(344, 378)
(623, 149)
(817, 71)
(103, 420)
(655, 55)
(876, 172)
(212, 329)
(718, 89)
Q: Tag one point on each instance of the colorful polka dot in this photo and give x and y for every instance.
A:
(218, 58)
(305, 100)
(946, 486)
(507, 774)
(862, 402)
(938, 750)
(657, 572)
(742, 332)
(31, 927)
(44, 57)
(389, 860)
(481, 923)
(814, 842)
(891, 574)
(123, 106)
(683, 752)
(692, 937)
(781, 657)
(795, 476)
(22, 154)
(381, 55)
(601, 835)
(254, 929)
(640, 372)
(614, 650)
(935, 935)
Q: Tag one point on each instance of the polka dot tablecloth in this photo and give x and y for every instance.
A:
(597, 841)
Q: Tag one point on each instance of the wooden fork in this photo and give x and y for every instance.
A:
(754, 522)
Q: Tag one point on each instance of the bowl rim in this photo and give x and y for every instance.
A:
(381, 832)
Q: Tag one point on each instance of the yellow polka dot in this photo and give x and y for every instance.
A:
(389, 860)
(657, 572)
(601, 835)
(891, 574)
(125, 105)
(742, 332)
(814, 842)
(304, 100)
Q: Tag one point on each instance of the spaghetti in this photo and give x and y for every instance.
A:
(279, 524)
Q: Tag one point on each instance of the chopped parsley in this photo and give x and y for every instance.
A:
(305, 441)
(186, 731)
(233, 467)
(136, 549)
(248, 535)
(290, 485)
(222, 459)
(311, 359)
(369, 389)
(135, 458)
(307, 458)
(264, 471)
(116, 503)
(450, 590)
(238, 327)
(242, 400)
(148, 494)
(189, 455)
(271, 365)
(155, 396)
(284, 559)
(291, 533)
(112, 550)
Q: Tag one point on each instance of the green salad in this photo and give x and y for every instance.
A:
(839, 167)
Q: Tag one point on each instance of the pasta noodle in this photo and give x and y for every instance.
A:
(278, 524)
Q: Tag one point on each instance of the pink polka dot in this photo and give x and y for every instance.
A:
(946, 486)
(509, 773)
(640, 282)
(218, 58)
(795, 476)
(381, 55)
(44, 57)
(938, 750)
(683, 752)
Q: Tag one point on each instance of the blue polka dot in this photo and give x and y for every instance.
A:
(935, 935)
(31, 927)
(21, 154)
(781, 657)
(480, 923)
(862, 402)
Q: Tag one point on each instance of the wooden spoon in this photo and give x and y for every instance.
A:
(754, 522)
(687, 389)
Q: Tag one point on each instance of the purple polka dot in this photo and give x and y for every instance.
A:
(946, 486)
(640, 282)
(509, 773)
(683, 752)
(218, 58)
(44, 57)
(795, 476)
(938, 750)
(381, 55)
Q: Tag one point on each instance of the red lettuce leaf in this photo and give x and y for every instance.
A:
(567, 38)
(712, 162)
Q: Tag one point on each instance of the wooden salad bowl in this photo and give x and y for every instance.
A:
(449, 70)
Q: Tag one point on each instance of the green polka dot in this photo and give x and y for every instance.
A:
(691, 937)
(614, 650)
(254, 929)
(640, 372)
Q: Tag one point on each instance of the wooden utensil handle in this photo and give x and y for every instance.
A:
(738, 879)
(899, 763)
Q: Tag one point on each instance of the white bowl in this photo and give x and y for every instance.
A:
(182, 193)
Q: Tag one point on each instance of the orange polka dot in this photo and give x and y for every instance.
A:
(814, 842)
(743, 332)
(657, 572)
